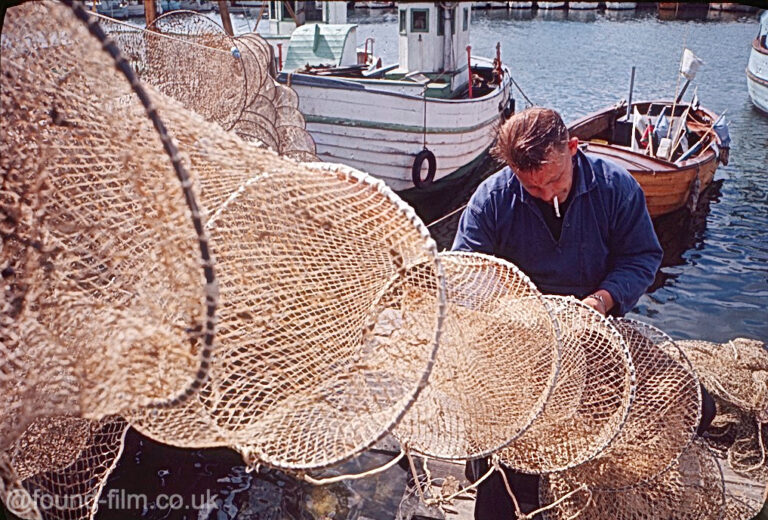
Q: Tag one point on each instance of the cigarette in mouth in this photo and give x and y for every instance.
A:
(557, 208)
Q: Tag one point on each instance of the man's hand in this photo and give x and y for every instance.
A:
(600, 300)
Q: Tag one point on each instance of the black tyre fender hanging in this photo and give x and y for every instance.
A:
(418, 161)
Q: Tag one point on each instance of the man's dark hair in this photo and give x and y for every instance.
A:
(525, 140)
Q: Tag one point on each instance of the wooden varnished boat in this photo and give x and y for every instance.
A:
(668, 184)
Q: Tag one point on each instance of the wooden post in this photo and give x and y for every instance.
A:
(261, 13)
(150, 11)
(291, 12)
(225, 19)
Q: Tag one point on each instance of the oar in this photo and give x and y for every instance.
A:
(695, 147)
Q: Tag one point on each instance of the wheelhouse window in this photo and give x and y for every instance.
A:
(403, 20)
(440, 20)
(465, 25)
(420, 20)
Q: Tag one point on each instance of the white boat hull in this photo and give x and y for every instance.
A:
(520, 5)
(381, 132)
(583, 5)
(618, 6)
(757, 78)
(550, 5)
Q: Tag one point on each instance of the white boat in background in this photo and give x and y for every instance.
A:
(418, 125)
(757, 68)
(520, 5)
(620, 6)
(583, 5)
(551, 5)
(490, 5)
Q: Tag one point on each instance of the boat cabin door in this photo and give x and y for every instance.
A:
(433, 40)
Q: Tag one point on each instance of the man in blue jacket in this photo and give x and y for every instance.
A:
(576, 225)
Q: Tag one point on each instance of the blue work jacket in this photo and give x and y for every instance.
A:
(607, 240)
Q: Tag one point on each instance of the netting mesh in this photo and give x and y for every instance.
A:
(87, 279)
(590, 400)
(230, 81)
(662, 419)
(70, 489)
(692, 488)
(320, 352)
(333, 299)
(496, 366)
(736, 374)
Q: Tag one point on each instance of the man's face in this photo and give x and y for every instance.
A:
(555, 177)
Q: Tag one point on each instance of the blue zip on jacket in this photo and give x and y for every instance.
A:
(607, 240)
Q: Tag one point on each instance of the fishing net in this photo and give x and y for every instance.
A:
(322, 345)
(662, 420)
(736, 374)
(496, 366)
(170, 54)
(590, 400)
(101, 247)
(64, 463)
(227, 80)
(692, 488)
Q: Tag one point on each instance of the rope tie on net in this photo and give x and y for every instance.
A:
(353, 476)
(732, 455)
(529, 516)
(440, 499)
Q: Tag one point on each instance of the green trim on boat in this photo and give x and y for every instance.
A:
(340, 121)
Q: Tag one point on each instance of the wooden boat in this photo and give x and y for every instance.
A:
(414, 124)
(757, 68)
(668, 184)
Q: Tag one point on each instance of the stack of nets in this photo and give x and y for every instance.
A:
(107, 272)
(736, 374)
(496, 367)
(591, 398)
(691, 488)
(230, 81)
(331, 299)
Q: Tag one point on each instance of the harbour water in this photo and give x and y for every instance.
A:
(714, 281)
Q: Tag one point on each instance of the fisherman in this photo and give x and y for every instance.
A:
(576, 225)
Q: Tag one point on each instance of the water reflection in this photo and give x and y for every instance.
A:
(552, 15)
(213, 483)
(682, 230)
(582, 15)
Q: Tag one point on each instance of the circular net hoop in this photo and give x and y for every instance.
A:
(230, 81)
(692, 488)
(189, 57)
(662, 420)
(326, 331)
(496, 366)
(591, 398)
(102, 245)
(63, 464)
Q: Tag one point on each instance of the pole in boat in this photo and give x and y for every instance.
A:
(631, 88)
(150, 12)
(226, 21)
(469, 68)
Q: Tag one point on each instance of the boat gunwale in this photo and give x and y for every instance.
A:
(342, 83)
(759, 47)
